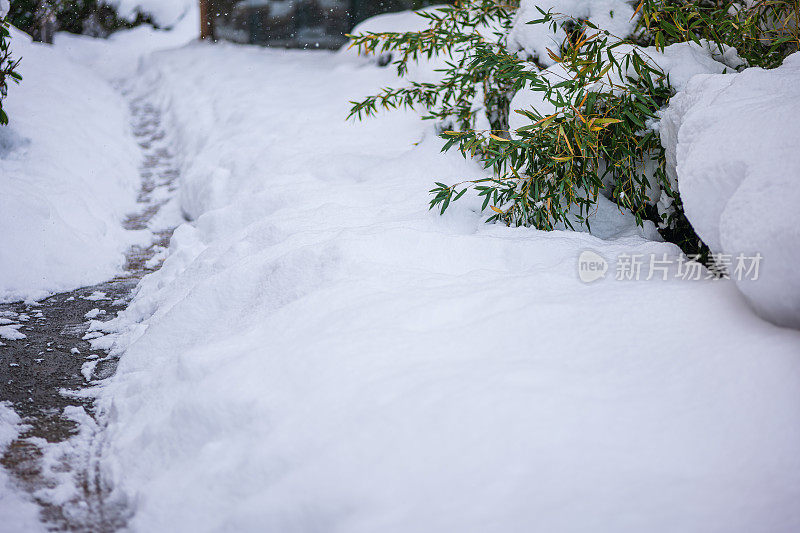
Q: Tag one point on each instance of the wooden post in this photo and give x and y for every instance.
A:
(206, 20)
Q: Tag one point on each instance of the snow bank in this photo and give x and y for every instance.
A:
(68, 175)
(320, 352)
(732, 144)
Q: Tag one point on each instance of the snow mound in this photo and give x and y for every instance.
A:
(732, 144)
(68, 176)
(403, 21)
(165, 13)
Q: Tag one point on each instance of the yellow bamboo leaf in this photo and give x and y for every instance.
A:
(638, 8)
(607, 121)
(545, 119)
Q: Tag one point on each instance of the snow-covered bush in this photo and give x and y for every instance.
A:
(8, 65)
(762, 32)
(561, 98)
(96, 17)
(162, 13)
(93, 17)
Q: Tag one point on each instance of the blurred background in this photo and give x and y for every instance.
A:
(287, 23)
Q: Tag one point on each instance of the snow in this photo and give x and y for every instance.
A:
(731, 143)
(680, 61)
(4, 5)
(165, 13)
(534, 40)
(118, 56)
(87, 369)
(403, 21)
(94, 313)
(96, 296)
(320, 352)
(422, 70)
(12, 333)
(16, 512)
(68, 172)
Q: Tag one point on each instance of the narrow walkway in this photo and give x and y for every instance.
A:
(43, 372)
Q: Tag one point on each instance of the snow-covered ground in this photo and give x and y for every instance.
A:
(321, 353)
(68, 162)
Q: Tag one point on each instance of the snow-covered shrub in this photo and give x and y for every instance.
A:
(8, 65)
(762, 32)
(561, 98)
(93, 17)
(162, 13)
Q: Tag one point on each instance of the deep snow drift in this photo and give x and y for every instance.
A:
(321, 353)
(732, 141)
(68, 176)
